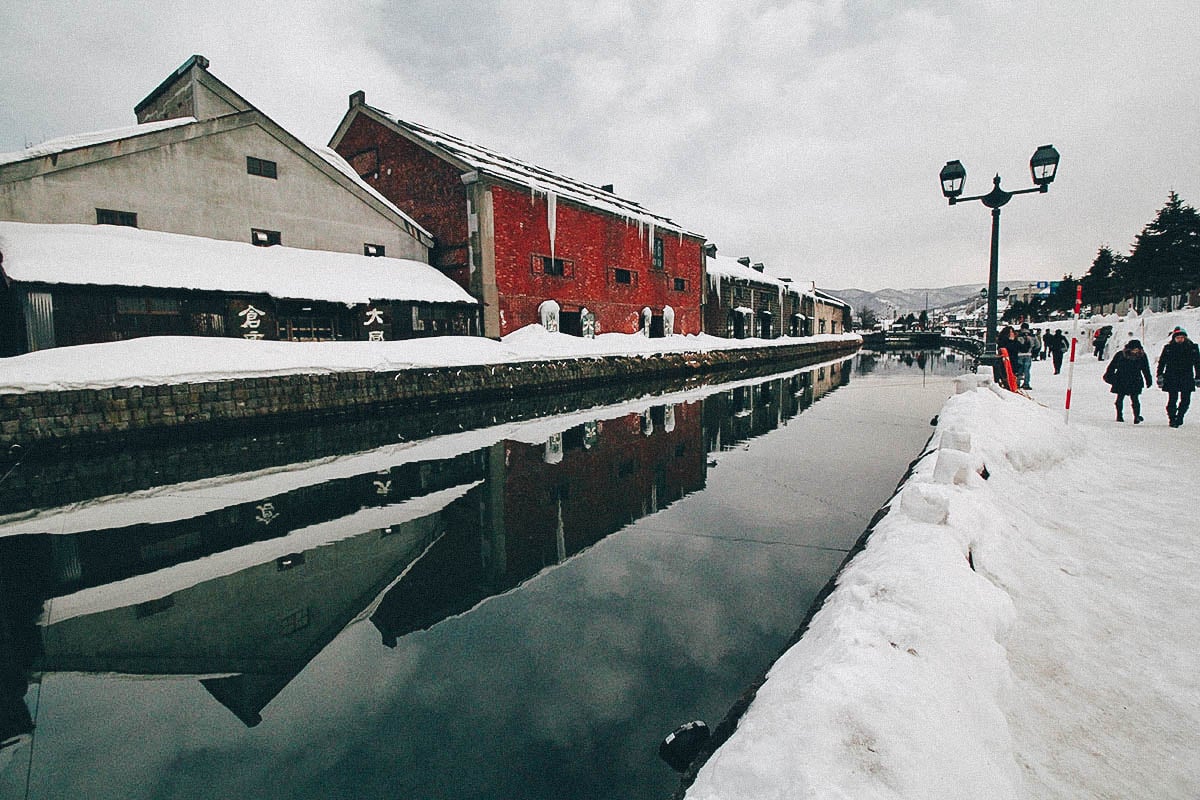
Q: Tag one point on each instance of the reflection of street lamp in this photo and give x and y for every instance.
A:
(1043, 167)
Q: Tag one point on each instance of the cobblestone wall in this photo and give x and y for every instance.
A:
(88, 413)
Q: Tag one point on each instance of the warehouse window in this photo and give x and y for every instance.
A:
(264, 238)
(262, 167)
(107, 216)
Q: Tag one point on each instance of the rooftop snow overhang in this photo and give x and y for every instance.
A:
(105, 255)
(487, 164)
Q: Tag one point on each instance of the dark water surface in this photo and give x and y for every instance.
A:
(516, 611)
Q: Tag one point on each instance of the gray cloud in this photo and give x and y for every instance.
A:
(805, 134)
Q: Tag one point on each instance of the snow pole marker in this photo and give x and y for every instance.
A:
(1074, 342)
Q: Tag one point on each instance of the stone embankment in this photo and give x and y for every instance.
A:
(89, 414)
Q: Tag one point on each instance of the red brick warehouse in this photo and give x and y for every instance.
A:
(516, 235)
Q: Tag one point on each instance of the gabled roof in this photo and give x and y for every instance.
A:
(489, 163)
(108, 255)
(151, 134)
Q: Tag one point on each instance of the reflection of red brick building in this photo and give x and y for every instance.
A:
(571, 492)
(516, 235)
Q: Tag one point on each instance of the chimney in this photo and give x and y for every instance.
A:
(359, 98)
(608, 187)
(744, 261)
(759, 267)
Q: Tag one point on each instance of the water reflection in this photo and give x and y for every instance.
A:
(254, 583)
(944, 361)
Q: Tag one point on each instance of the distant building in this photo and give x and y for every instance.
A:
(204, 164)
(529, 243)
(742, 301)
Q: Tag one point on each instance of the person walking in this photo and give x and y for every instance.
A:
(1178, 371)
(1100, 341)
(1039, 346)
(1127, 373)
(1024, 345)
(1057, 343)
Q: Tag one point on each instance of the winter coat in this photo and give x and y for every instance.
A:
(1057, 342)
(1179, 366)
(1127, 373)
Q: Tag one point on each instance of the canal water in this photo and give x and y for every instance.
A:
(521, 609)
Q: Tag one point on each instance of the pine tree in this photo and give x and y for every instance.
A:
(1166, 255)
(1106, 281)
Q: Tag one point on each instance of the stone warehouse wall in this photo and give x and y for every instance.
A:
(67, 416)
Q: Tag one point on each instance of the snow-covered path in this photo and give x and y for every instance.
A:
(1028, 635)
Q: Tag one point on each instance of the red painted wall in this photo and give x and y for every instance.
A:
(423, 186)
(431, 191)
(595, 243)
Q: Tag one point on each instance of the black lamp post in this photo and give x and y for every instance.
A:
(1043, 167)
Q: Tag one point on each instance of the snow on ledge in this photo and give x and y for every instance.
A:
(157, 360)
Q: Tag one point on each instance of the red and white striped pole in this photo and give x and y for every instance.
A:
(1074, 342)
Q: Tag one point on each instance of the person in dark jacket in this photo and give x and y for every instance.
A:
(1057, 344)
(1178, 370)
(1100, 341)
(1127, 373)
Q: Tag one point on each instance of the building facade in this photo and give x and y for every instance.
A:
(518, 236)
(742, 302)
(203, 164)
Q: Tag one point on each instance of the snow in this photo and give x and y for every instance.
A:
(156, 360)
(111, 255)
(540, 180)
(1062, 664)
(727, 267)
(79, 140)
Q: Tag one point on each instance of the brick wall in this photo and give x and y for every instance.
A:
(595, 244)
(88, 413)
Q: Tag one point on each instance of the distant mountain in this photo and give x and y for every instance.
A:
(905, 301)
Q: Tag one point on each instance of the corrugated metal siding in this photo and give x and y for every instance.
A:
(38, 310)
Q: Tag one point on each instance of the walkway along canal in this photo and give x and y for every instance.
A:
(518, 609)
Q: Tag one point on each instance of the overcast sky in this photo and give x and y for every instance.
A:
(807, 135)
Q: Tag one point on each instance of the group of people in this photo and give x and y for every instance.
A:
(1025, 345)
(1177, 374)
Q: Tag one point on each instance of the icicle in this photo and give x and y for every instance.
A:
(551, 219)
(650, 239)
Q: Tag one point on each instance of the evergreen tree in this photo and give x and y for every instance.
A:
(1107, 280)
(1166, 255)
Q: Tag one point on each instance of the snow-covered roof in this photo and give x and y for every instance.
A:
(539, 180)
(826, 297)
(727, 267)
(108, 255)
(78, 140)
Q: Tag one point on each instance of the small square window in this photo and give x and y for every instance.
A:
(623, 276)
(554, 267)
(262, 167)
(107, 216)
(680, 284)
(373, 250)
(264, 238)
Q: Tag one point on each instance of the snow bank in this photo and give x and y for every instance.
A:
(1030, 634)
(155, 360)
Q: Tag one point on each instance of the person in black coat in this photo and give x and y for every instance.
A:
(1057, 344)
(1127, 373)
(1178, 370)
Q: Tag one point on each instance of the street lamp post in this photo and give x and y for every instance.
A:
(1043, 166)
